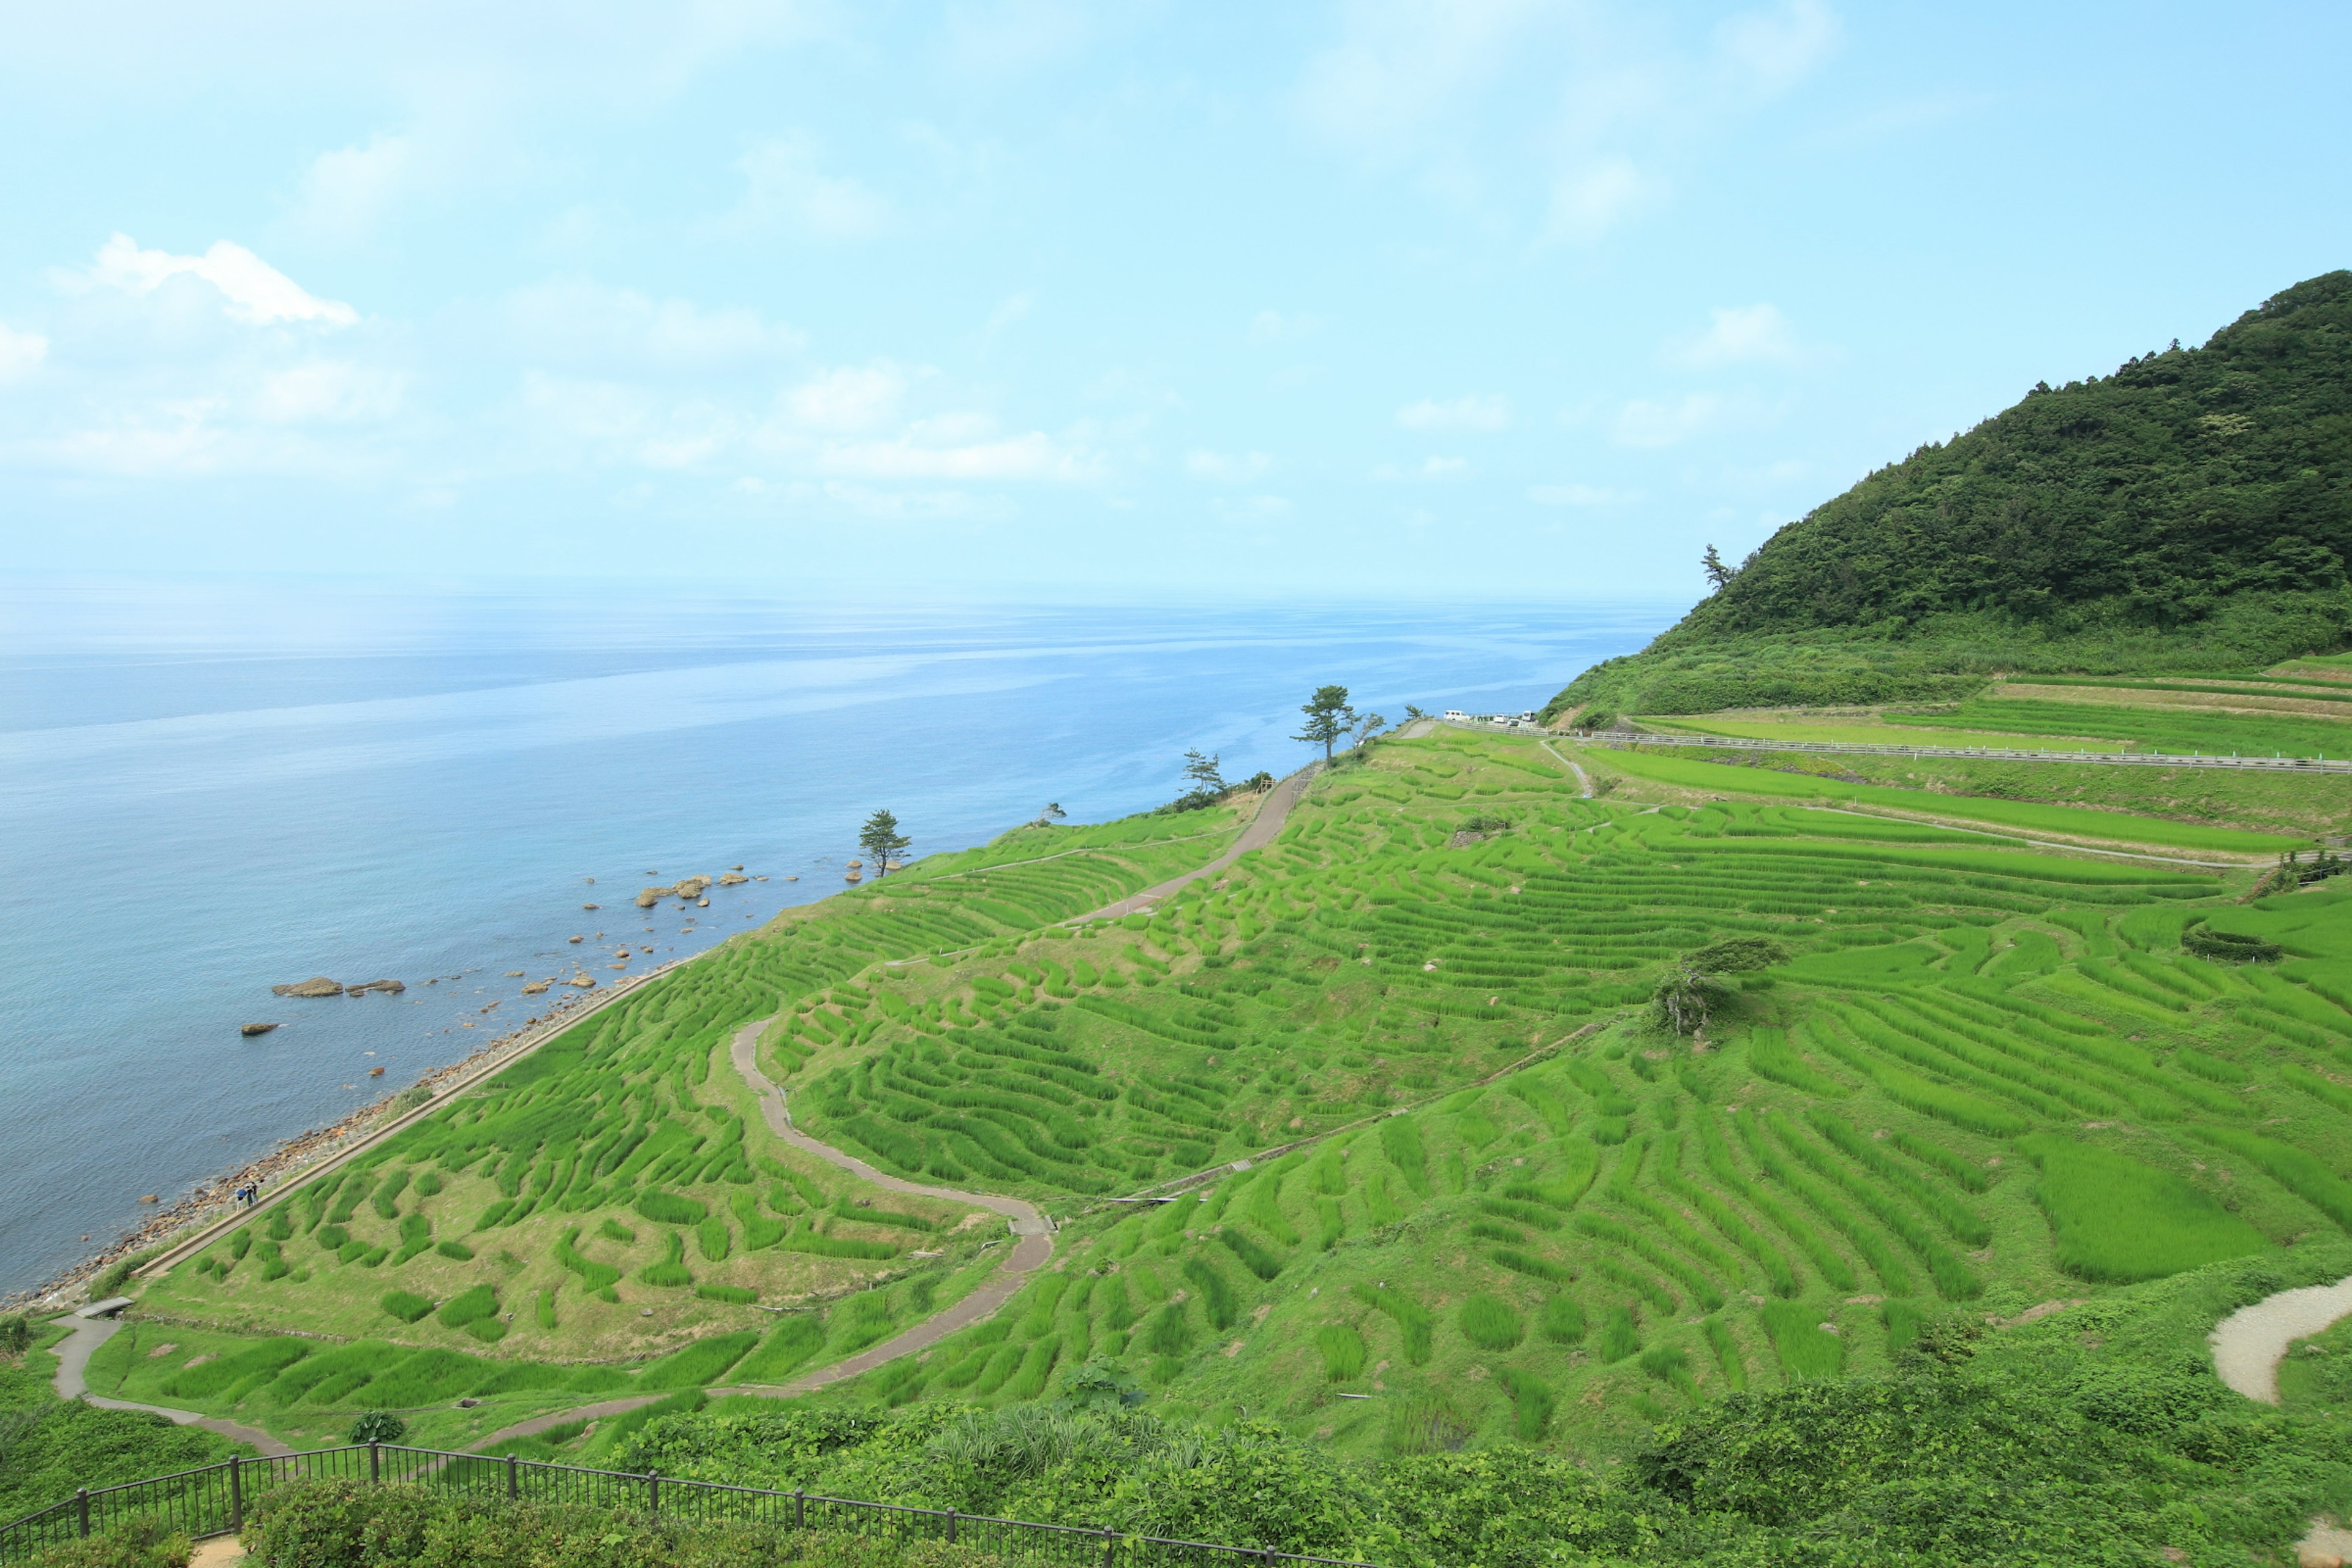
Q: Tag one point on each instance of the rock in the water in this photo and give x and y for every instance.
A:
(375, 1072)
(249, 1030)
(855, 865)
(853, 876)
(792, 878)
(150, 1197)
(390, 987)
(537, 987)
(585, 982)
(575, 939)
(592, 906)
(732, 878)
(702, 903)
(316, 985)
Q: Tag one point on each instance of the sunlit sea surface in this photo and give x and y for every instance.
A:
(209, 787)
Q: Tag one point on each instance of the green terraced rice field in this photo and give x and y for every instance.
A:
(1401, 1129)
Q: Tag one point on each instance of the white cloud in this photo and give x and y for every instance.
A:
(783, 185)
(1429, 469)
(256, 292)
(919, 454)
(1743, 334)
(1491, 412)
(1261, 506)
(1645, 423)
(1226, 468)
(328, 390)
(584, 325)
(348, 193)
(1772, 51)
(1580, 495)
(1402, 63)
(1273, 327)
(21, 354)
(855, 397)
(1559, 118)
(1593, 197)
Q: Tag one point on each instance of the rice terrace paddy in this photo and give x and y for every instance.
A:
(1970, 1074)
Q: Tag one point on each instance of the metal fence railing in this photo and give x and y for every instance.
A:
(216, 1498)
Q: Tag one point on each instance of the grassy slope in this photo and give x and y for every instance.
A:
(592, 1143)
(1594, 1177)
(1989, 1078)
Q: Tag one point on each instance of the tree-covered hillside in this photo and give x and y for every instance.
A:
(2193, 510)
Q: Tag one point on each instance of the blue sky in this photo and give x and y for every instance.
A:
(1497, 297)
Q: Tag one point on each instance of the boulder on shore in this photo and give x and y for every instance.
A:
(316, 985)
(249, 1030)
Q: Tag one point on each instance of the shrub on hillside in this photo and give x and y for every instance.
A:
(142, 1543)
(347, 1525)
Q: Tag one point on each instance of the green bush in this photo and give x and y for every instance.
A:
(349, 1524)
(405, 1305)
(142, 1543)
(377, 1426)
(471, 1306)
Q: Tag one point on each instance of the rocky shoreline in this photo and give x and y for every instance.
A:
(291, 1158)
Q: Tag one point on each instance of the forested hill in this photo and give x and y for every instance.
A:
(2194, 508)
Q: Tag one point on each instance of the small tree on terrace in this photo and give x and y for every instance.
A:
(1329, 717)
(1203, 771)
(881, 840)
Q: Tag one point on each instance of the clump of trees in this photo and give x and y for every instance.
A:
(1693, 990)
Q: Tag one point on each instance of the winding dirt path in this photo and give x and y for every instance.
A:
(72, 1382)
(2248, 1344)
(1033, 1246)
(1273, 812)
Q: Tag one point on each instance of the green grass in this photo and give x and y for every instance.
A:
(2024, 816)
(2118, 1219)
(2150, 728)
(1856, 1123)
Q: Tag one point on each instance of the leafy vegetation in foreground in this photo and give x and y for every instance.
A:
(2193, 511)
(49, 1446)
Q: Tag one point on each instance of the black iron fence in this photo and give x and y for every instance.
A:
(215, 1500)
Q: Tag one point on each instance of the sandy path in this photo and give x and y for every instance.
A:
(72, 1382)
(1272, 812)
(1583, 783)
(2250, 1342)
(1033, 1245)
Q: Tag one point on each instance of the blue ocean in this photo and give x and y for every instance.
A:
(209, 787)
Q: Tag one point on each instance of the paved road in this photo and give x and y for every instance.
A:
(72, 1383)
(1272, 814)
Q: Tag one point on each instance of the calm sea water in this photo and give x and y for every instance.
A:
(208, 788)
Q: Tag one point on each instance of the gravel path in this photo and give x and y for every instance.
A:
(1272, 812)
(72, 1382)
(2249, 1344)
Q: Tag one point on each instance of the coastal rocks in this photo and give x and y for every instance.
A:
(853, 876)
(732, 878)
(689, 887)
(316, 985)
(702, 903)
(150, 1197)
(250, 1030)
(592, 906)
(855, 865)
(537, 987)
(375, 1072)
(389, 988)
(575, 939)
(585, 982)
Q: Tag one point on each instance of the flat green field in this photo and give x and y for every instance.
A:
(2023, 816)
(1905, 733)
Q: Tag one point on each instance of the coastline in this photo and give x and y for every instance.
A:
(191, 1218)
